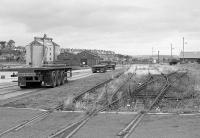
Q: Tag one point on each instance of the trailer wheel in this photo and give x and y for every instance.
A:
(53, 77)
(104, 70)
(94, 71)
(62, 78)
(58, 74)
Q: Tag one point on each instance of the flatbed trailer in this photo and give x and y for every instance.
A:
(103, 66)
(48, 76)
(99, 68)
(110, 64)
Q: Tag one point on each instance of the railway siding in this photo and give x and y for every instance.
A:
(110, 124)
(50, 98)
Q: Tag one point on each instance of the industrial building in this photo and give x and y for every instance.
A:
(69, 59)
(189, 57)
(84, 58)
(45, 49)
(88, 58)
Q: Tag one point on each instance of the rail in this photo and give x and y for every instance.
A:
(96, 87)
(84, 120)
(8, 86)
(46, 113)
(126, 132)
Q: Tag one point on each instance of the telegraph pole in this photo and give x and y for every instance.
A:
(183, 48)
(152, 55)
(158, 56)
(171, 50)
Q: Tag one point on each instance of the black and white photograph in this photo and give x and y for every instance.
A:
(99, 69)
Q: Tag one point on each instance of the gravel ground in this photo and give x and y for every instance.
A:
(104, 125)
(51, 97)
(46, 127)
(168, 126)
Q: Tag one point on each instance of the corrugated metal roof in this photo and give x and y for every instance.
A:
(190, 54)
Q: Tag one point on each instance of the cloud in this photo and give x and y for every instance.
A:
(44, 15)
(106, 24)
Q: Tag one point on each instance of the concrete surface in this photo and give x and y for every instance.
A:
(168, 126)
(47, 126)
(105, 125)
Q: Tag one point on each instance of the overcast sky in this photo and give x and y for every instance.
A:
(125, 26)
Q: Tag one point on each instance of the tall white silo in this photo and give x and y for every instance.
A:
(35, 55)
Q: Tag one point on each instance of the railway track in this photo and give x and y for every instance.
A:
(46, 113)
(6, 83)
(23, 93)
(141, 96)
(8, 86)
(77, 97)
(8, 92)
(126, 132)
(74, 127)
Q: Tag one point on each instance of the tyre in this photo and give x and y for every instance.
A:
(104, 70)
(58, 76)
(93, 71)
(54, 79)
(62, 78)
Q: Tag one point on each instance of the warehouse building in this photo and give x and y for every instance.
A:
(190, 57)
(84, 58)
(69, 59)
(88, 58)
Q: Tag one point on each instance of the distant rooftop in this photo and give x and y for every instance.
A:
(194, 54)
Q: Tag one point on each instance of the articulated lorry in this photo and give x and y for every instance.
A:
(40, 68)
(103, 66)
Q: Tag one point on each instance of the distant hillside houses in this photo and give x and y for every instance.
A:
(103, 54)
(73, 56)
(9, 52)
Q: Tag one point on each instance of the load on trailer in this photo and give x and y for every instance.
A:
(103, 66)
(41, 55)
